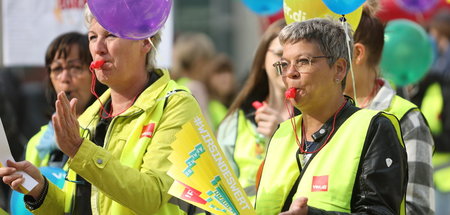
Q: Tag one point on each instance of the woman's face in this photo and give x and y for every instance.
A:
(72, 76)
(223, 83)
(274, 53)
(312, 82)
(122, 57)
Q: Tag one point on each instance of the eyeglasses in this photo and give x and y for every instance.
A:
(74, 70)
(301, 63)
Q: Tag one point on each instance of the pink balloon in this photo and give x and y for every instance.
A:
(131, 19)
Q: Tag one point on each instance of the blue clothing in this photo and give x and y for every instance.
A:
(47, 144)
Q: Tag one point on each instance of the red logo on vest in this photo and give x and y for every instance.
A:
(147, 131)
(319, 183)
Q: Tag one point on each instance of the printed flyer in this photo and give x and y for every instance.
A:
(203, 176)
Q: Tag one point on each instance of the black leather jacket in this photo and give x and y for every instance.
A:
(378, 189)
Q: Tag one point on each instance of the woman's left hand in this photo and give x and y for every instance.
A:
(66, 125)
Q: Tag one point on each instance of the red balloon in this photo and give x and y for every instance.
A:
(275, 17)
(390, 10)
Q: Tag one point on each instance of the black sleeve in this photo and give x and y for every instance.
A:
(31, 203)
(380, 184)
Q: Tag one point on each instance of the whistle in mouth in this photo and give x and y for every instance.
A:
(290, 93)
(97, 64)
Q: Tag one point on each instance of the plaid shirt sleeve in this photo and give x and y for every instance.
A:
(419, 146)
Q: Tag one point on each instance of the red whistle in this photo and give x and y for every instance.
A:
(257, 104)
(97, 64)
(290, 93)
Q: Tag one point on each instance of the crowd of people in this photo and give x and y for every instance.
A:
(315, 129)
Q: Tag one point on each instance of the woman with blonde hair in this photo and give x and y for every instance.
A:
(118, 148)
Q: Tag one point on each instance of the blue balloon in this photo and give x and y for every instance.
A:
(53, 174)
(264, 7)
(343, 6)
(17, 205)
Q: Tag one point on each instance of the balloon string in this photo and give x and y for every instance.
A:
(345, 25)
(153, 45)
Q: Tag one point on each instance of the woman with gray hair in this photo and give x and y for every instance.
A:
(118, 149)
(334, 156)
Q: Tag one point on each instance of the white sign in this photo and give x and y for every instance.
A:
(5, 154)
(30, 25)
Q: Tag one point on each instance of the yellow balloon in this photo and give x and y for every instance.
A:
(301, 10)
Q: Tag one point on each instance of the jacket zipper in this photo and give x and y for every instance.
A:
(107, 138)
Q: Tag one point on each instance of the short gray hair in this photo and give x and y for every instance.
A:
(150, 62)
(328, 34)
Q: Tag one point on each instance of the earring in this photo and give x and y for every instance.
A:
(337, 80)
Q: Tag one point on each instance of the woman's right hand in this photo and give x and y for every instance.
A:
(14, 179)
(267, 119)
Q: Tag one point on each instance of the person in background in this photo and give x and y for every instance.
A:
(191, 52)
(67, 63)
(334, 158)
(221, 85)
(374, 93)
(433, 98)
(118, 148)
(244, 133)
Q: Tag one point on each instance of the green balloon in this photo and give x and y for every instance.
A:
(407, 53)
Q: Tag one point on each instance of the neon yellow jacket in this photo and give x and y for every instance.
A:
(130, 170)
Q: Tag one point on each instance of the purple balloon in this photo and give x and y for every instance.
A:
(416, 6)
(131, 19)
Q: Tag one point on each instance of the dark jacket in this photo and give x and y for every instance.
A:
(441, 141)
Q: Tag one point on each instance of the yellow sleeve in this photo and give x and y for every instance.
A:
(144, 191)
(53, 202)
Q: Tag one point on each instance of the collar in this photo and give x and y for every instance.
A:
(383, 99)
(348, 109)
(145, 101)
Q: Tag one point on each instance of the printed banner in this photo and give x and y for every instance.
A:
(203, 176)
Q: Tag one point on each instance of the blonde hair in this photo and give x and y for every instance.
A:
(372, 7)
(190, 47)
(155, 40)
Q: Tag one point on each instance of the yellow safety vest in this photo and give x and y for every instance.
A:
(400, 106)
(217, 111)
(432, 107)
(248, 154)
(337, 178)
